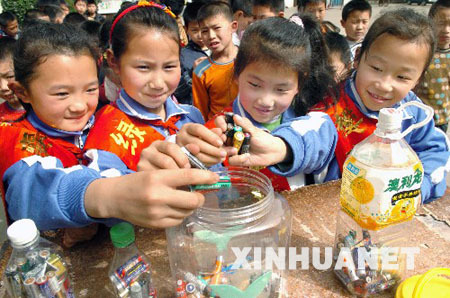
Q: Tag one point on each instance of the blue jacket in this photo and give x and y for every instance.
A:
(430, 144)
(40, 188)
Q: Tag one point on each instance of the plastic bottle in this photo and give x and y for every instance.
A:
(36, 267)
(130, 271)
(380, 193)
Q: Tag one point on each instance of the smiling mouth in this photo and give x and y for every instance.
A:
(377, 98)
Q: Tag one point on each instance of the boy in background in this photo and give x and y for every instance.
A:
(339, 55)
(80, 6)
(355, 21)
(434, 87)
(9, 25)
(92, 13)
(318, 9)
(213, 87)
(11, 109)
(263, 9)
(194, 49)
(243, 15)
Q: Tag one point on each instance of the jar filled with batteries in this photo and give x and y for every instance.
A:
(36, 267)
(130, 271)
(222, 250)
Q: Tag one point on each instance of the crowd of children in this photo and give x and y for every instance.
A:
(94, 120)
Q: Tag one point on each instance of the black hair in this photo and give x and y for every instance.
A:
(40, 3)
(6, 17)
(303, 3)
(144, 17)
(405, 24)
(75, 2)
(74, 18)
(176, 6)
(337, 43)
(43, 40)
(356, 5)
(438, 5)
(215, 8)
(125, 4)
(275, 6)
(92, 28)
(245, 6)
(277, 41)
(190, 12)
(52, 11)
(7, 46)
(104, 35)
(92, 2)
(33, 15)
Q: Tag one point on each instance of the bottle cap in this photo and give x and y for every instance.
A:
(22, 232)
(390, 119)
(122, 234)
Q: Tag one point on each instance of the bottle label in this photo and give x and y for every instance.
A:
(376, 197)
(131, 270)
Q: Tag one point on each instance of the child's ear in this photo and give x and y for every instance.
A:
(281, 14)
(237, 15)
(112, 61)
(342, 23)
(234, 26)
(20, 91)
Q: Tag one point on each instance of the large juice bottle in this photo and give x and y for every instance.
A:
(380, 193)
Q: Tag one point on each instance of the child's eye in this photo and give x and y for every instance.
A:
(142, 67)
(10, 77)
(170, 67)
(61, 94)
(376, 68)
(93, 89)
(281, 90)
(404, 78)
(253, 84)
(217, 28)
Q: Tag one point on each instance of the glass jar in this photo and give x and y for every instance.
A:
(245, 219)
(36, 267)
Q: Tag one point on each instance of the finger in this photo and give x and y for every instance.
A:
(221, 123)
(245, 123)
(187, 201)
(182, 177)
(209, 159)
(203, 133)
(240, 160)
(162, 223)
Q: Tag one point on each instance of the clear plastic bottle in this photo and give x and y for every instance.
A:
(36, 267)
(245, 215)
(380, 193)
(130, 270)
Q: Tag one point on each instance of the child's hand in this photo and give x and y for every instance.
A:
(208, 141)
(149, 198)
(164, 155)
(265, 149)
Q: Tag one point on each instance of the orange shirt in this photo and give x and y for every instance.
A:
(213, 87)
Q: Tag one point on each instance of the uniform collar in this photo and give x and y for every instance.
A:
(132, 108)
(54, 132)
(350, 89)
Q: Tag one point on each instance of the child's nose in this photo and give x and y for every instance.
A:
(4, 85)
(385, 83)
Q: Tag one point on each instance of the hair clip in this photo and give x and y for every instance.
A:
(297, 20)
(141, 3)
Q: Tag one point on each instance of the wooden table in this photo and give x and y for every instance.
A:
(314, 223)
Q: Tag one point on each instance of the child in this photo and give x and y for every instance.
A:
(145, 55)
(339, 55)
(394, 54)
(9, 25)
(80, 6)
(212, 86)
(92, 13)
(273, 66)
(355, 21)
(263, 9)
(243, 15)
(318, 9)
(434, 87)
(11, 109)
(42, 178)
(192, 51)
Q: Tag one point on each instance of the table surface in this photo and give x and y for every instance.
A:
(314, 222)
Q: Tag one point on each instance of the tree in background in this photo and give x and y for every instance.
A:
(19, 7)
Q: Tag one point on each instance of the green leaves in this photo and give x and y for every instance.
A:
(19, 7)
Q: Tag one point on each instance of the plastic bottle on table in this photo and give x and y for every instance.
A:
(36, 267)
(130, 270)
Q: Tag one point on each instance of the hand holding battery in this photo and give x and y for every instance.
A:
(209, 142)
(264, 150)
(165, 155)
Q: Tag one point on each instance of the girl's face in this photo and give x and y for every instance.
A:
(442, 27)
(63, 91)
(149, 69)
(267, 90)
(389, 70)
(6, 77)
